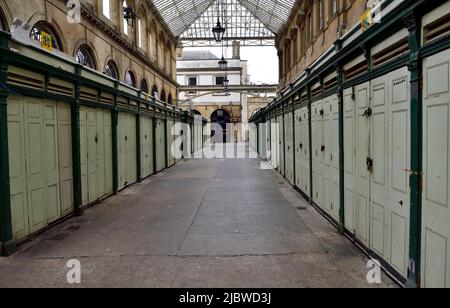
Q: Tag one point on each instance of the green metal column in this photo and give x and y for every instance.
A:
(115, 147)
(293, 143)
(340, 93)
(311, 185)
(166, 142)
(415, 67)
(284, 141)
(7, 243)
(155, 125)
(138, 145)
(76, 150)
(257, 138)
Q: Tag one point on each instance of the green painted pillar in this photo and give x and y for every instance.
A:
(293, 144)
(138, 145)
(115, 147)
(155, 125)
(257, 138)
(284, 142)
(7, 243)
(340, 93)
(166, 142)
(76, 150)
(415, 67)
(311, 188)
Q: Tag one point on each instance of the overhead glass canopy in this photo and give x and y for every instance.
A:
(252, 22)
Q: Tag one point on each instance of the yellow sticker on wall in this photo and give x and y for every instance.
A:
(46, 41)
(366, 20)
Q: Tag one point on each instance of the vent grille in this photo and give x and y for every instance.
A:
(437, 30)
(60, 87)
(106, 98)
(123, 102)
(330, 83)
(356, 70)
(316, 90)
(391, 52)
(87, 94)
(22, 78)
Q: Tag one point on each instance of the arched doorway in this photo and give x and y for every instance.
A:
(222, 118)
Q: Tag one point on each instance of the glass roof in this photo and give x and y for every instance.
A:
(255, 20)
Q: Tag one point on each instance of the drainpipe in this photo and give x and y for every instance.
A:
(7, 243)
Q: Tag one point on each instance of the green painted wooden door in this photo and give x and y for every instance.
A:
(37, 195)
(170, 141)
(127, 149)
(436, 168)
(289, 172)
(146, 146)
(96, 154)
(160, 145)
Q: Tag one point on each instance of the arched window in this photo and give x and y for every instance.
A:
(152, 44)
(142, 29)
(144, 86)
(43, 27)
(155, 91)
(130, 79)
(125, 22)
(170, 99)
(161, 50)
(85, 57)
(107, 9)
(111, 70)
(163, 95)
(3, 24)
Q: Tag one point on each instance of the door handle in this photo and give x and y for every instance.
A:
(401, 202)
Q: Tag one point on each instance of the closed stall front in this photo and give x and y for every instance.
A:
(170, 141)
(179, 132)
(380, 125)
(146, 146)
(436, 171)
(302, 150)
(289, 148)
(95, 154)
(268, 144)
(275, 143)
(318, 148)
(39, 133)
(281, 145)
(330, 156)
(127, 149)
(160, 145)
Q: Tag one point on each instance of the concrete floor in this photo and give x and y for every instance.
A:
(202, 223)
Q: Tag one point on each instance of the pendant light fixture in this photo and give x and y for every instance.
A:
(218, 31)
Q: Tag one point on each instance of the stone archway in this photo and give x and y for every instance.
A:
(222, 118)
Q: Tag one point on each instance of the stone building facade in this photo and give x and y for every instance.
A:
(200, 69)
(314, 26)
(140, 53)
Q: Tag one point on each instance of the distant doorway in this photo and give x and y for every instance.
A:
(222, 118)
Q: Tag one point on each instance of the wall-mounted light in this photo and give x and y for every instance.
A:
(129, 15)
